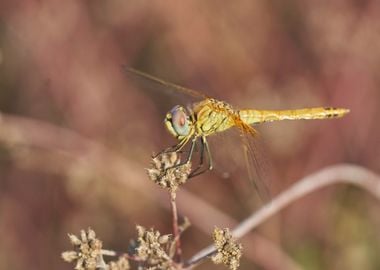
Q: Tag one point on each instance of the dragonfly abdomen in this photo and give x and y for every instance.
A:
(254, 117)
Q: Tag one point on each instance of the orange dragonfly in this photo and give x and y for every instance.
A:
(194, 123)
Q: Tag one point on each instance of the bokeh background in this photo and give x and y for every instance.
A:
(76, 132)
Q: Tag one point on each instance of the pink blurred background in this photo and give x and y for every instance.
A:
(77, 132)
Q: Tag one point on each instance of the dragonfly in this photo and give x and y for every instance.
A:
(194, 123)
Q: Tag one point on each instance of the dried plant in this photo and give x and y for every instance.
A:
(228, 252)
(152, 249)
(87, 251)
(168, 172)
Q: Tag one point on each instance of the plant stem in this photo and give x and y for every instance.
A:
(345, 173)
(176, 232)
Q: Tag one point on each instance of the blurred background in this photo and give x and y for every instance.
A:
(76, 132)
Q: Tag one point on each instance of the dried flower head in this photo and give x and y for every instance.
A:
(168, 172)
(121, 264)
(87, 251)
(228, 252)
(152, 249)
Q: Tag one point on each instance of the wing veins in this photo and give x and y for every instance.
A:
(253, 165)
(182, 89)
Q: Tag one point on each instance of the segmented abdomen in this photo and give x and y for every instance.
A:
(261, 116)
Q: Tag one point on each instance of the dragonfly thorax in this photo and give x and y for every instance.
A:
(212, 116)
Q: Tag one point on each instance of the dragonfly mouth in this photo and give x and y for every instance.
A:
(169, 125)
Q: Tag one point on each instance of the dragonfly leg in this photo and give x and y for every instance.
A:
(210, 163)
(191, 152)
(189, 156)
(174, 148)
(204, 150)
(200, 165)
(171, 149)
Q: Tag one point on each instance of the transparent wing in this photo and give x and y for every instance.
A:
(184, 94)
(239, 155)
(257, 165)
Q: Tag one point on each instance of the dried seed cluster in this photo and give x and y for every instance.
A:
(154, 248)
(228, 252)
(121, 264)
(87, 251)
(168, 172)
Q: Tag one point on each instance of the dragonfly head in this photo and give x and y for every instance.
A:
(178, 122)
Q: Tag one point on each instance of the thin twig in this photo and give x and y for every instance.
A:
(349, 174)
(107, 252)
(112, 253)
(176, 233)
(256, 247)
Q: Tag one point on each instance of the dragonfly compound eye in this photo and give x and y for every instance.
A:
(177, 122)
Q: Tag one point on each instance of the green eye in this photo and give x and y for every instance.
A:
(179, 121)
